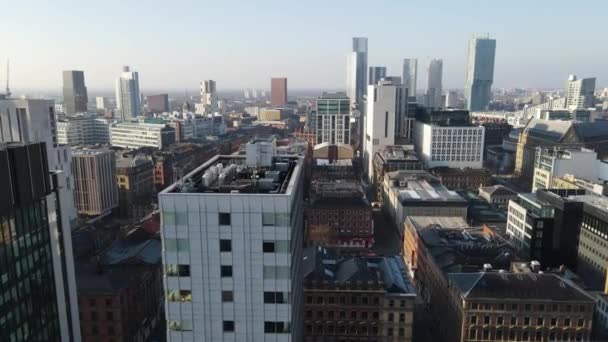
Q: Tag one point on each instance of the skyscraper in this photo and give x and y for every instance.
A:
(433, 93)
(232, 232)
(386, 119)
(158, 103)
(209, 99)
(410, 74)
(74, 92)
(95, 190)
(376, 73)
(480, 73)
(278, 91)
(356, 71)
(333, 119)
(580, 93)
(128, 98)
(101, 102)
(32, 120)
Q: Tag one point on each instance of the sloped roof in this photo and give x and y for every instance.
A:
(592, 131)
(548, 129)
(498, 190)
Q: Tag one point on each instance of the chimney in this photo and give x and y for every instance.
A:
(535, 266)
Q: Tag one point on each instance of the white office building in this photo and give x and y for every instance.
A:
(128, 97)
(386, 120)
(580, 94)
(332, 119)
(102, 103)
(433, 92)
(85, 129)
(356, 71)
(454, 147)
(232, 249)
(209, 101)
(410, 74)
(138, 134)
(480, 73)
(33, 120)
(551, 163)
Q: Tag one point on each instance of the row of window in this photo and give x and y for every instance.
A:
(361, 315)
(183, 245)
(455, 158)
(225, 219)
(499, 335)
(270, 327)
(353, 300)
(526, 321)
(359, 330)
(528, 307)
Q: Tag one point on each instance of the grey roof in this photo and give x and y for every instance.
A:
(548, 129)
(333, 96)
(498, 190)
(422, 187)
(121, 251)
(592, 131)
(517, 286)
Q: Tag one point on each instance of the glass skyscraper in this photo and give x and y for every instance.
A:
(480, 73)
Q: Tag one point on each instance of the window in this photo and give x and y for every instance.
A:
(172, 270)
(268, 247)
(401, 317)
(513, 320)
(93, 316)
(401, 332)
(177, 245)
(110, 330)
(225, 271)
(91, 302)
(94, 330)
(109, 302)
(567, 322)
(499, 334)
(179, 295)
(227, 296)
(580, 323)
(539, 321)
(553, 322)
(228, 326)
(224, 220)
(353, 314)
(499, 320)
(526, 320)
(109, 315)
(267, 219)
(390, 317)
(277, 297)
(486, 320)
(225, 245)
(473, 319)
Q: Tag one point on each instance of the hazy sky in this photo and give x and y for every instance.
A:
(175, 44)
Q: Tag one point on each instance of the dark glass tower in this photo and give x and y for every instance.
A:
(28, 299)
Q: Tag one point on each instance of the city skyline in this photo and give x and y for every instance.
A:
(303, 57)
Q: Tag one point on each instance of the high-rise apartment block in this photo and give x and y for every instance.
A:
(580, 93)
(233, 229)
(433, 92)
(74, 92)
(386, 120)
(356, 71)
(128, 98)
(209, 101)
(376, 73)
(95, 190)
(480, 73)
(332, 119)
(278, 91)
(157, 103)
(32, 120)
(410, 75)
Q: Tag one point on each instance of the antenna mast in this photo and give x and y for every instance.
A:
(8, 90)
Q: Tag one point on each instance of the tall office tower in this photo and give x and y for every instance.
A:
(386, 120)
(209, 100)
(410, 73)
(433, 93)
(332, 116)
(101, 102)
(74, 92)
(480, 73)
(356, 71)
(246, 94)
(29, 120)
(278, 91)
(451, 99)
(128, 98)
(580, 93)
(158, 103)
(232, 232)
(95, 190)
(376, 73)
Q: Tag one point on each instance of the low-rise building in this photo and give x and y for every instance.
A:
(135, 180)
(356, 299)
(83, 129)
(394, 158)
(462, 179)
(497, 195)
(553, 162)
(570, 181)
(418, 193)
(137, 134)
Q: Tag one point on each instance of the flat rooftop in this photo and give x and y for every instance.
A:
(598, 202)
(398, 153)
(231, 174)
(419, 187)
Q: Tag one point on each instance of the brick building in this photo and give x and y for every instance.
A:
(356, 299)
(134, 177)
(462, 179)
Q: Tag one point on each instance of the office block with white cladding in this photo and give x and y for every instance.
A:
(232, 249)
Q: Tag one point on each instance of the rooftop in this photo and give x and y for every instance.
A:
(333, 96)
(498, 190)
(517, 286)
(138, 124)
(420, 186)
(82, 151)
(598, 202)
(390, 273)
(398, 152)
(456, 247)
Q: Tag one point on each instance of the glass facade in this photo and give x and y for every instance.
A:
(28, 309)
